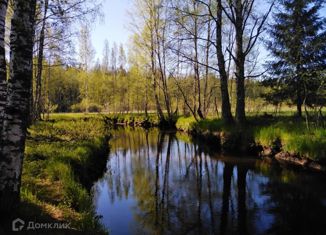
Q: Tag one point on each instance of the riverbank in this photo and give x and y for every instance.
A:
(111, 120)
(284, 139)
(63, 158)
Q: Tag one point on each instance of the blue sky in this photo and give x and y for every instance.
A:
(114, 26)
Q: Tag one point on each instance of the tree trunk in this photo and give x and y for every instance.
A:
(161, 57)
(3, 64)
(226, 107)
(153, 64)
(38, 91)
(240, 63)
(17, 106)
(240, 85)
(208, 43)
(196, 65)
(299, 105)
(299, 95)
(154, 82)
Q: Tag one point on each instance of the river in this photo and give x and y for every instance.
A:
(164, 183)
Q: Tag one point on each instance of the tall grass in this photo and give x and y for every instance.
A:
(294, 138)
(290, 133)
(189, 124)
(62, 157)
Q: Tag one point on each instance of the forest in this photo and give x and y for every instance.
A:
(247, 76)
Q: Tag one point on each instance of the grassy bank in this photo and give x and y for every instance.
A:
(63, 157)
(130, 119)
(294, 138)
(286, 133)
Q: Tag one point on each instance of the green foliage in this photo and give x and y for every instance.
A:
(85, 105)
(131, 91)
(62, 156)
(298, 48)
(64, 88)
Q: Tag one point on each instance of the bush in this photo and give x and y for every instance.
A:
(84, 105)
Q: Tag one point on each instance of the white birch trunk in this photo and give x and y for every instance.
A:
(17, 105)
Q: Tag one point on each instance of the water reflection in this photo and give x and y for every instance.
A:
(162, 183)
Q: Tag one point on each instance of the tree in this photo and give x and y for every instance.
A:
(187, 43)
(54, 21)
(86, 56)
(114, 57)
(298, 44)
(245, 22)
(214, 59)
(17, 105)
(226, 107)
(106, 56)
(152, 24)
(64, 88)
(114, 65)
(122, 58)
(159, 27)
(37, 102)
(3, 64)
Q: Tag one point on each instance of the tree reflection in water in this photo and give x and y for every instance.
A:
(163, 183)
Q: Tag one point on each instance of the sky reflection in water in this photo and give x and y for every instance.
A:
(163, 183)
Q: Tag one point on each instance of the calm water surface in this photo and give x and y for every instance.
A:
(163, 183)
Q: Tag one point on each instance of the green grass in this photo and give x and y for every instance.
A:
(189, 124)
(290, 132)
(186, 124)
(62, 159)
(294, 138)
(129, 118)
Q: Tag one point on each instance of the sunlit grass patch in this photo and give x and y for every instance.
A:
(286, 132)
(295, 138)
(62, 158)
(186, 123)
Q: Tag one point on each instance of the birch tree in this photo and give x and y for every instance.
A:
(106, 56)
(3, 64)
(17, 105)
(86, 56)
(151, 27)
